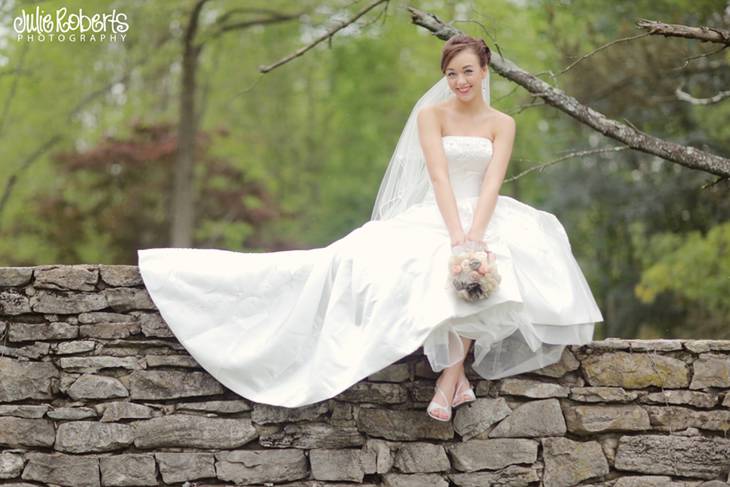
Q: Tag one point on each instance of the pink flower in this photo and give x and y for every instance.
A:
(455, 269)
(483, 269)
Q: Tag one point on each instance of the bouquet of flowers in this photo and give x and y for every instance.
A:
(473, 271)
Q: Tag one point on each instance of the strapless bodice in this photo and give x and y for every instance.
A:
(468, 157)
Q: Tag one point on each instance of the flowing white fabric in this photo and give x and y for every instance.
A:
(292, 328)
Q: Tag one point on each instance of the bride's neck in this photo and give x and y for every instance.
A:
(471, 107)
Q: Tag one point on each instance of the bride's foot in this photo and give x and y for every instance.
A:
(439, 411)
(464, 392)
(440, 407)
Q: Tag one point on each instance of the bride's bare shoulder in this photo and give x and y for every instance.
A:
(500, 121)
(504, 121)
(440, 108)
(427, 117)
(498, 115)
(435, 113)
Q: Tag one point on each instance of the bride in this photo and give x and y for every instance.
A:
(291, 328)
(464, 61)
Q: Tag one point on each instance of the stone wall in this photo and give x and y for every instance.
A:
(95, 390)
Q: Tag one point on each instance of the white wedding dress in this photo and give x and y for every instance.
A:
(295, 327)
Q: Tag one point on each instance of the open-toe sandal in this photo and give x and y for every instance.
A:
(434, 406)
(461, 397)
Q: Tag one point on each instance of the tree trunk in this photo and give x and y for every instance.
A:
(183, 197)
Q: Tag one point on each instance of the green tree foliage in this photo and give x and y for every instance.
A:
(693, 269)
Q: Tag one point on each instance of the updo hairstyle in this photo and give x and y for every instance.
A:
(458, 43)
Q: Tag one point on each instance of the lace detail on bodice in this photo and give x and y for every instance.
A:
(468, 157)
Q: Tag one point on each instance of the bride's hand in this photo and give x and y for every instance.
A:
(459, 239)
(470, 237)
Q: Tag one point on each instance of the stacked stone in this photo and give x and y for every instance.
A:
(96, 391)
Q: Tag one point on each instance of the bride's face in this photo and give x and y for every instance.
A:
(465, 75)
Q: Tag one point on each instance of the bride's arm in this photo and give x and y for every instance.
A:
(429, 134)
(496, 170)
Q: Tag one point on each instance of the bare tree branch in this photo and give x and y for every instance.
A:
(327, 35)
(245, 24)
(223, 25)
(382, 14)
(702, 33)
(193, 23)
(572, 155)
(684, 155)
(684, 96)
(600, 48)
(525, 106)
(699, 56)
(711, 184)
(223, 18)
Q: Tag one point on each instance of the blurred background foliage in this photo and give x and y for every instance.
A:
(293, 158)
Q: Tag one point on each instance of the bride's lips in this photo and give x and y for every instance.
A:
(463, 92)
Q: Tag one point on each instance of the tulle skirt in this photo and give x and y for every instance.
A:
(292, 328)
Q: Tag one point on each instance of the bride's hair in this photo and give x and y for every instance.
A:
(458, 43)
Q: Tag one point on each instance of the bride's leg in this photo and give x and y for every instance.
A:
(467, 343)
(462, 379)
(450, 376)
